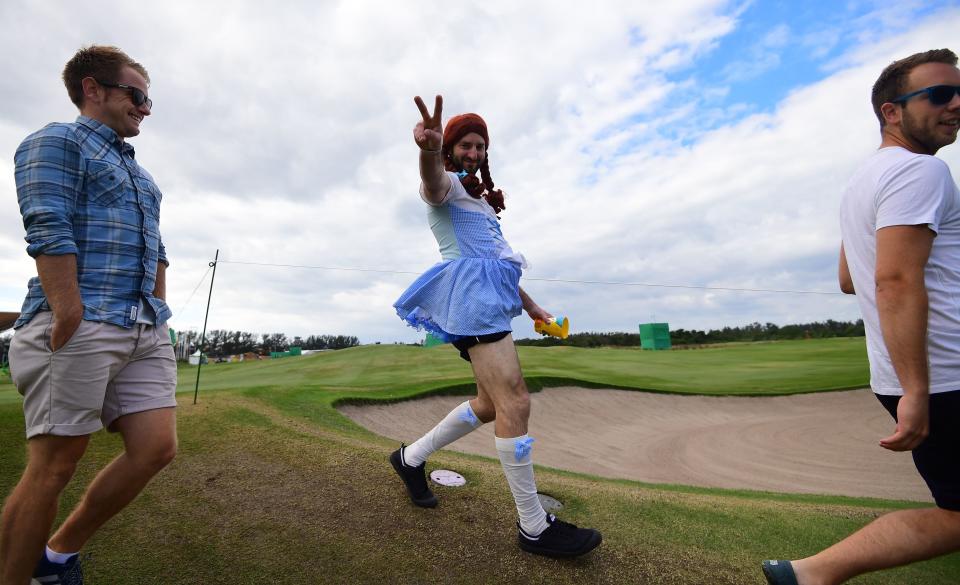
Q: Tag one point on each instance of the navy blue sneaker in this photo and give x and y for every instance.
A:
(779, 573)
(50, 573)
(415, 478)
(560, 539)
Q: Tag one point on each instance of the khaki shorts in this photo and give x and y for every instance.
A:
(102, 373)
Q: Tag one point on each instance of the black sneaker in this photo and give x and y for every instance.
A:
(779, 573)
(560, 539)
(415, 478)
(50, 573)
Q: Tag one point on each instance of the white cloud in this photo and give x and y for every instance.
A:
(283, 135)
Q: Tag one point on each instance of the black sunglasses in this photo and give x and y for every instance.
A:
(940, 95)
(139, 98)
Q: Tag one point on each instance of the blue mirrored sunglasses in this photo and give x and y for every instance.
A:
(939, 95)
(139, 98)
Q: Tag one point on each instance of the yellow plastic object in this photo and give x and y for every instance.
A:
(559, 327)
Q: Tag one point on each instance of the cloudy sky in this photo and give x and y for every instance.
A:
(699, 143)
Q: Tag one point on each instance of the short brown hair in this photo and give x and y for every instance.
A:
(100, 62)
(892, 83)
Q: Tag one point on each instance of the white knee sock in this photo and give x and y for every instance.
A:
(458, 423)
(518, 467)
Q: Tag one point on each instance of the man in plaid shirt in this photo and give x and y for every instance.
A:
(91, 349)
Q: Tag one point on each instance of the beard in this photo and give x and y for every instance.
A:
(458, 164)
(925, 138)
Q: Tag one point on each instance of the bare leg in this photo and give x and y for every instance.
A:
(150, 443)
(32, 506)
(895, 539)
(496, 368)
(482, 405)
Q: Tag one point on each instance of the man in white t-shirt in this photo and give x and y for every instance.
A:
(900, 225)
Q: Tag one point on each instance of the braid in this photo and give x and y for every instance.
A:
(493, 197)
(447, 159)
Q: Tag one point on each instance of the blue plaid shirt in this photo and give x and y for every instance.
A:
(82, 192)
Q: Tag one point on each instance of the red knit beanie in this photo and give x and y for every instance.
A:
(459, 126)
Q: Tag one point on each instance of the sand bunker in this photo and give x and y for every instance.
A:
(812, 443)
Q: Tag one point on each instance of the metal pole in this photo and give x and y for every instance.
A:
(203, 336)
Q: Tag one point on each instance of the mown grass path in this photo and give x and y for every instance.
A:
(272, 485)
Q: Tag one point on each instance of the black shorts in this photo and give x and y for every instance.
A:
(465, 343)
(937, 456)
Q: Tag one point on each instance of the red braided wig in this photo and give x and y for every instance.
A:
(456, 128)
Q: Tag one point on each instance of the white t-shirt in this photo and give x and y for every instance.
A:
(898, 187)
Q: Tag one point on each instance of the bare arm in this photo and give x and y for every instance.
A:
(436, 183)
(532, 308)
(846, 282)
(7, 320)
(428, 134)
(160, 288)
(58, 277)
(902, 254)
(48, 203)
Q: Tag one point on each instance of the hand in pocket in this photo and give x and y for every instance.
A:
(62, 331)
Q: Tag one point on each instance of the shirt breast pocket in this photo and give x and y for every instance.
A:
(151, 198)
(105, 183)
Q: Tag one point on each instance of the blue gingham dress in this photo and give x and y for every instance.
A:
(475, 290)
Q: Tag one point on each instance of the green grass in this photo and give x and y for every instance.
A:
(272, 485)
(767, 368)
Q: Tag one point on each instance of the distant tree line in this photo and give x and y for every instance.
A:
(326, 342)
(221, 342)
(682, 337)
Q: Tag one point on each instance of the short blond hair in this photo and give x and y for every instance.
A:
(100, 62)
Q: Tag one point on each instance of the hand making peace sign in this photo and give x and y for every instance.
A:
(428, 133)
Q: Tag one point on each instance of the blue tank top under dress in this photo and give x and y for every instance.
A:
(475, 290)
